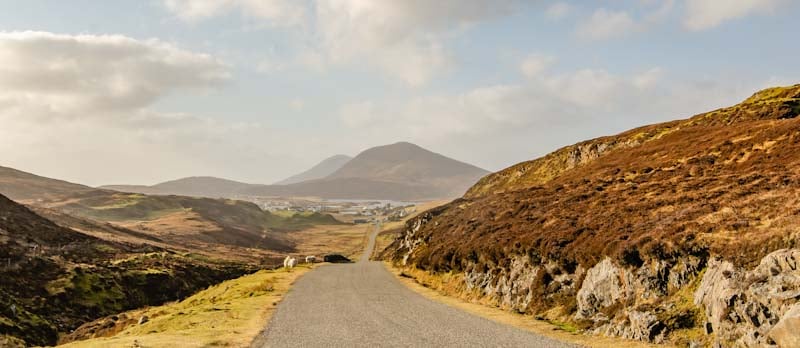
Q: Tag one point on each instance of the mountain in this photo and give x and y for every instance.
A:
(683, 232)
(19, 185)
(200, 186)
(319, 171)
(221, 226)
(400, 171)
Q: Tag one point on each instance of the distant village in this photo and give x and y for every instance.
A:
(359, 212)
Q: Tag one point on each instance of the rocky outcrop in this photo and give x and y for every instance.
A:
(645, 300)
(511, 287)
(742, 307)
(786, 333)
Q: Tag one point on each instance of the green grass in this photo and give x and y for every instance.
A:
(229, 314)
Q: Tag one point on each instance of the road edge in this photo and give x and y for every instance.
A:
(519, 321)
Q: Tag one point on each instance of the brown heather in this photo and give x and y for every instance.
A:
(723, 183)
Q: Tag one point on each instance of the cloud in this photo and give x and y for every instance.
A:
(558, 10)
(605, 24)
(274, 12)
(706, 14)
(535, 64)
(53, 75)
(541, 113)
(403, 40)
(64, 98)
(567, 97)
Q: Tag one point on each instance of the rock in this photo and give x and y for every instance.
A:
(336, 258)
(786, 333)
(744, 306)
(602, 287)
(639, 325)
(143, 319)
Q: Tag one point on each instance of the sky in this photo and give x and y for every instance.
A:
(144, 91)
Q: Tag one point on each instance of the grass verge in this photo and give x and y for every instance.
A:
(230, 314)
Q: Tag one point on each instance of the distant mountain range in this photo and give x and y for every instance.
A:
(400, 171)
(327, 167)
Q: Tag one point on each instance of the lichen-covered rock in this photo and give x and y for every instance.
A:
(741, 306)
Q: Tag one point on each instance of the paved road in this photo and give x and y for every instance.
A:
(363, 305)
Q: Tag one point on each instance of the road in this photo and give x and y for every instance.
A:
(363, 305)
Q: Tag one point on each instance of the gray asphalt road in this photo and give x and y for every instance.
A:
(363, 305)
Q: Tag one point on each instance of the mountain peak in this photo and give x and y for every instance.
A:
(320, 170)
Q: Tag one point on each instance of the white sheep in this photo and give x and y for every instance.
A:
(289, 262)
(311, 259)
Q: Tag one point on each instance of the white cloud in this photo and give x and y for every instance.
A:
(534, 64)
(297, 104)
(64, 98)
(558, 10)
(404, 40)
(581, 94)
(54, 75)
(274, 12)
(605, 24)
(551, 110)
(401, 38)
(706, 14)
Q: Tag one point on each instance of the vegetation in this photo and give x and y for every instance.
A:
(229, 314)
(724, 183)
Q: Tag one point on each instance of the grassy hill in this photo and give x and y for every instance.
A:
(201, 186)
(19, 185)
(56, 279)
(630, 235)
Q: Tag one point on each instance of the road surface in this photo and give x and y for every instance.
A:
(363, 305)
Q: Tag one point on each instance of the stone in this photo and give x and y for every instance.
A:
(602, 288)
(143, 319)
(786, 333)
(746, 306)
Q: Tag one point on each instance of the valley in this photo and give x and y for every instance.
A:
(395, 173)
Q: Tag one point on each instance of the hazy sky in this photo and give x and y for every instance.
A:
(107, 92)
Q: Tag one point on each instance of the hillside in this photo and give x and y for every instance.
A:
(202, 186)
(400, 171)
(680, 232)
(19, 185)
(53, 279)
(319, 171)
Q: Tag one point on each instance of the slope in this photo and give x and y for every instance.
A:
(400, 171)
(319, 171)
(635, 234)
(201, 186)
(19, 185)
(52, 279)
